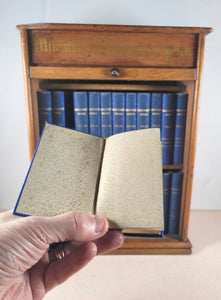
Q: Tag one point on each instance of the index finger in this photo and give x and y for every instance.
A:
(71, 226)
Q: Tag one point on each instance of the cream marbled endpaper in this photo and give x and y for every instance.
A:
(63, 175)
(130, 191)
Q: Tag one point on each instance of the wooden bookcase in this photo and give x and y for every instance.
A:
(128, 58)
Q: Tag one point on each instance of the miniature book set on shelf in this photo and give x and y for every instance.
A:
(121, 103)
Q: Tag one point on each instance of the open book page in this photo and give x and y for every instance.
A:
(130, 191)
(63, 175)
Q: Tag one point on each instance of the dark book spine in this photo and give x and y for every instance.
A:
(44, 109)
(166, 198)
(94, 113)
(131, 114)
(168, 126)
(175, 200)
(118, 112)
(69, 110)
(156, 110)
(180, 128)
(58, 108)
(143, 110)
(106, 115)
(81, 111)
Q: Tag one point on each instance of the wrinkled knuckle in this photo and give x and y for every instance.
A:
(38, 231)
(33, 221)
(76, 221)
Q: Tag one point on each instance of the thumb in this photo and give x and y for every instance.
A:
(71, 226)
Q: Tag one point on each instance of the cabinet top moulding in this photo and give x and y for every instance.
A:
(117, 28)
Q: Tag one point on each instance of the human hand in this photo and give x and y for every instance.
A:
(28, 270)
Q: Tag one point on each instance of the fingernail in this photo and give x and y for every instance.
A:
(99, 224)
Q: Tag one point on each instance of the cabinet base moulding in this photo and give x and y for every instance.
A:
(166, 245)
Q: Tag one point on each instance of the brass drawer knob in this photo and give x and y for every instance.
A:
(115, 72)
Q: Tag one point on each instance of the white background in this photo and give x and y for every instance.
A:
(14, 153)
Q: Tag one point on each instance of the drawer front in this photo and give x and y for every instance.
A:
(89, 48)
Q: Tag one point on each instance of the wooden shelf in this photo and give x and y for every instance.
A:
(48, 85)
(173, 167)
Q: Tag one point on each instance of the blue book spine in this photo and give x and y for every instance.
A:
(168, 126)
(118, 112)
(23, 186)
(58, 108)
(94, 113)
(131, 114)
(156, 110)
(106, 115)
(180, 128)
(166, 198)
(143, 110)
(81, 120)
(44, 109)
(175, 200)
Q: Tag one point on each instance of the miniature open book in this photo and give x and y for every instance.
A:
(119, 177)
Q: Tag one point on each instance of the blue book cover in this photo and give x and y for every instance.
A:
(166, 198)
(180, 128)
(156, 110)
(62, 109)
(94, 113)
(81, 120)
(106, 115)
(58, 108)
(143, 110)
(44, 109)
(131, 111)
(168, 126)
(118, 112)
(175, 200)
(29, 169)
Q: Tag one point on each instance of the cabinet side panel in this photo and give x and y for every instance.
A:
(28, 95)
(193, 137)
(184, 218)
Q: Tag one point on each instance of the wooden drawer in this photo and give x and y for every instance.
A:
(100, 47)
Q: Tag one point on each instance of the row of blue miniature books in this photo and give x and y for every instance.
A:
(106, 113)
(172, 192)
